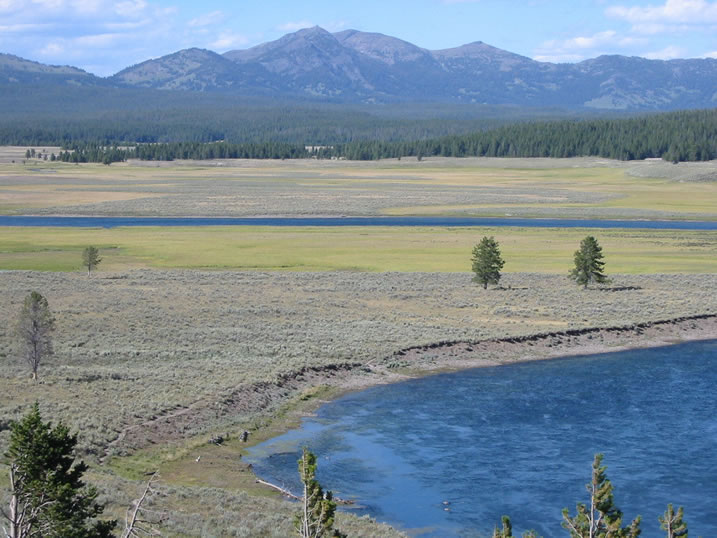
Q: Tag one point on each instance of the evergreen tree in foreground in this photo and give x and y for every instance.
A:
(91, 259)
(588, 263)
(601, 518)
(673, 523)
(507, 530)
(316, 518)
(487, 262)
(48, 497)
(34, 328)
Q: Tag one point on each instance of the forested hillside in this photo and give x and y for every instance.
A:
(676, 136)
(34, 116)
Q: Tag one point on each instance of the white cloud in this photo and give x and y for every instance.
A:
(113, 33)
(589, 42)
(8, 5)
(668, 53)
(228, 41)
(712, 54)
(52, 49)
(98, 40)
(672, 12)
(130, 8)
(18, 27)
(335, 26)
(207, 19)
(581, 47)
(558, 58)
(293, 26)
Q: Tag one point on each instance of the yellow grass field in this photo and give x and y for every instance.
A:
(577, 188)
(547, 250)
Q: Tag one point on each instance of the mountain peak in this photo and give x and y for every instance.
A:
(311, 30)
(193, 68)
(386, 49)
(356, 66)
(477, 50)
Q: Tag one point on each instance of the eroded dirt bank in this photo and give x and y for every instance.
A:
(264, 397)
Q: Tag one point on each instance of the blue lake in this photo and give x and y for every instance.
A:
(113, 222)
(519, 440)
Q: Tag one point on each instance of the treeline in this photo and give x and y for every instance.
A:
(674, 136)
(96, 153)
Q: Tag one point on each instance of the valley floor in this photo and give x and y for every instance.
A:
(185, 334)
(149, 364)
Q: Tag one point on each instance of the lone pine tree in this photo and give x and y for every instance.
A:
(34, 328)
(601, 518)
(487, 262)
(91, 259)
(316, 519)
(588, 263)
(673, 524)
(47, 494)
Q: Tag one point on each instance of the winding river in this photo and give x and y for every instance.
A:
(447, 455)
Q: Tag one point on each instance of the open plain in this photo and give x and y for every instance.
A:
(580, 187)
(185, 333)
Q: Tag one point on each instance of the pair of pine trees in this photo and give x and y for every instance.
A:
(589, 267)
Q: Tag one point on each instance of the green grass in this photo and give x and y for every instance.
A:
(351, 248)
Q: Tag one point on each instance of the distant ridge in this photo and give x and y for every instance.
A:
(363, 67)
(14, 69)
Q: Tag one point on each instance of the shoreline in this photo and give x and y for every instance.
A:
(293, 393)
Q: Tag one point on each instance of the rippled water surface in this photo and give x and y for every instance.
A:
(520, 440)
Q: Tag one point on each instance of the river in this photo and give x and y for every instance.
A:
(442, 222)
(447, 455)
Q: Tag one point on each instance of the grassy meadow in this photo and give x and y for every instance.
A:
(373, 249)
(580, 188)
(183, 332)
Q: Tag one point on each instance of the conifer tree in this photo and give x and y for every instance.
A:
(601, 518)
(91, 258)
(506, 531)
(673, 523)
(34, 328)
(316, 518)
(588, 263)
(487, 262)
(47, 495)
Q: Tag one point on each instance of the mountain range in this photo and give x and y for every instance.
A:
(362, 67)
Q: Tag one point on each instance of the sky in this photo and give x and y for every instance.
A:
(105, 36)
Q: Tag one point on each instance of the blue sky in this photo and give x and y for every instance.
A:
(104, 36)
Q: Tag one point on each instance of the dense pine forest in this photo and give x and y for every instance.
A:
(58, 116)
(675, 136)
